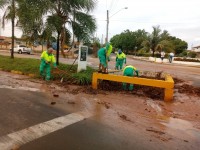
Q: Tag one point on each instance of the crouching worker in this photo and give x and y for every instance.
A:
(130, 71)
(103, 55)
(120, 60)
(47, 58)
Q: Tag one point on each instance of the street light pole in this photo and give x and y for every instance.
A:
(107, 21)
(107, 25)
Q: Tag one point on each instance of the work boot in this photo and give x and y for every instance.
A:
(124, 86)
(131, 87)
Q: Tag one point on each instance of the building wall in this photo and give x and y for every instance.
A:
(196, 49)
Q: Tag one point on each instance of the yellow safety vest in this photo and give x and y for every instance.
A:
(121, 56)
(129, 66)
(48, 57)
(109, 50)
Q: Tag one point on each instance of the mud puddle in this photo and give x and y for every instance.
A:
(181, 128)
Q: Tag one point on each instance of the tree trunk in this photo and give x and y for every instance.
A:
(63, 42)
(58, 47)
(48, 43)
(153, 52)
(13, 29)
(42, 45)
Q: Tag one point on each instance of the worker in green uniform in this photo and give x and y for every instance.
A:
(103, 55)
(130, 71)
(47, 58)
(120, 60)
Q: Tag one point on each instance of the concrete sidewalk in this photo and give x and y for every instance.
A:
(166, 61)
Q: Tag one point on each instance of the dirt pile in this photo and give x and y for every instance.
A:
(189, 89)
(104, 87)
(151, 92)
(183, 87)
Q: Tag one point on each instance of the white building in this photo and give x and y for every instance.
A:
(196, 48)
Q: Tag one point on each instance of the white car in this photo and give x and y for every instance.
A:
(22, 49)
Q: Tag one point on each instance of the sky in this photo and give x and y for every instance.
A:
(181, 18)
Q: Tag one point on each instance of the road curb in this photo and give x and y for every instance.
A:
(16, 72)
(19, 72)
(175, 64)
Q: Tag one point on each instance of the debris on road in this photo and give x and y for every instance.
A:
(155, 131)
(106, 104)
(71, 102)
(55, 95)
(53, 103)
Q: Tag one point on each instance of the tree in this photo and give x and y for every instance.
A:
(75, 13)
(158, 41)
(10, 14)
(179, 45)
(143, 41)
(129, 41)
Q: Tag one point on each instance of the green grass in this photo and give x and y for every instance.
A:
(25, 65)
(31, 66)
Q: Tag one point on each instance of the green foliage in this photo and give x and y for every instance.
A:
(156, 41)
(81, 79)
(25, 65)
(31, 66)
(186, 59)
(183, 54)
(129, 41)
(179, 45)
(144, 54)
(192, 54)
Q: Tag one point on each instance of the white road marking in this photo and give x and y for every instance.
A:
(21, 137)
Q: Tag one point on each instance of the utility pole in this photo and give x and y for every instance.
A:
(13, 28)
(107, 26)
(102, 40)
(0, 25)
(107, 21)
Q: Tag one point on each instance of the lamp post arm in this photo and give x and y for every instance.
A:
(107, 21)
(118, 11)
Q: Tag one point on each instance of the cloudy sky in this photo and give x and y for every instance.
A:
(180, 17)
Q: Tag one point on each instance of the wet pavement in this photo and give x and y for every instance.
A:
(118, 120)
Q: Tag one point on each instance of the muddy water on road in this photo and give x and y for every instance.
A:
(166, 125)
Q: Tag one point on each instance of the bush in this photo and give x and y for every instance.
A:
(186, 59)
(31, 66)
(84, 77)
(192, 54)
(143, 53)
(183, 54)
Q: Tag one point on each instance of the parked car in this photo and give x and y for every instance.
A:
(22, 49)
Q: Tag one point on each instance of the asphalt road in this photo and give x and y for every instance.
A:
(24, 112)
(21, 109)
(188, 73)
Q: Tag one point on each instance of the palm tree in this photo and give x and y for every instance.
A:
(154, 39)
(74, 13)
(10, 13)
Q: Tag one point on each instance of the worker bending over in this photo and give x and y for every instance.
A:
(130, 71)
(103, 55)
(120, 60)
(47, 58)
